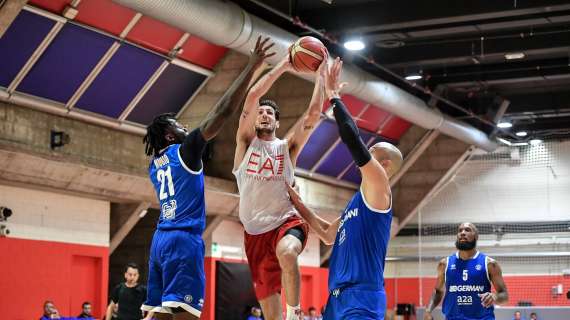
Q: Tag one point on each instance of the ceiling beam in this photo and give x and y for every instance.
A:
(135, 213)
(378, 16)
(472, 51)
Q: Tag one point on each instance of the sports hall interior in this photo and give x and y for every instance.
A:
(476, 96)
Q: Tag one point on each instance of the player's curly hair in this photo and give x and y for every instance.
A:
(155, 139)
(272, 104)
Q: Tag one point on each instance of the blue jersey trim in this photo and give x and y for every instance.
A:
(186, 168)
(372, 208)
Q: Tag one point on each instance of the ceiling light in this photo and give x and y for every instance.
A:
(521, 134)
(354, 45)
(504, 124)
(519, 144)
(535, 142)
(413, 77)
(514, 56)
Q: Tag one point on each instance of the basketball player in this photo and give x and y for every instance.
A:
(274, 234)
(176, 264)
(466, 277)
(361, 233)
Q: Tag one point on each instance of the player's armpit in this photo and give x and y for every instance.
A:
(375, 185)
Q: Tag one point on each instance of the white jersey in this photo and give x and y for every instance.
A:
(264, 202)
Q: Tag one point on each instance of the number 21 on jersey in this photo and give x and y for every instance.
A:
(165, 177)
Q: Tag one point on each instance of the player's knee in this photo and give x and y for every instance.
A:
(288, 257)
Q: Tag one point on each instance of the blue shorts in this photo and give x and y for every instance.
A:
(356, 303)
(176, 272)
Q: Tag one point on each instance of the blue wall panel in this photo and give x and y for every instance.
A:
(65, 63)
(320, 141)
(169, 94)
(119, 81)
(19, 42)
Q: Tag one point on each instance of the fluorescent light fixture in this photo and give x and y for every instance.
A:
(521, 134)
(535, 142)
(514, 55)
(354, 45)
(507, 142)
(413, 77)
(504, 124)
(520, 144)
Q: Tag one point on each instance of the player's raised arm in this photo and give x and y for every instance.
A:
(310, 118)
(232, 99)
(195, 142)
(376, 164)
(246, 130)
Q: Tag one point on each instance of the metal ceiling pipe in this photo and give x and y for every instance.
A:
(226, 24)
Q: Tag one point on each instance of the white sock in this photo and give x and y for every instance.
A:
(293, 313)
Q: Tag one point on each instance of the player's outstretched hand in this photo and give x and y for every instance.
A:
(261, 51)
(487, 299)
(332, 80)
(428, 316)
(294, 196)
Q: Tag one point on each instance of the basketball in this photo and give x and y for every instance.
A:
(306, 54)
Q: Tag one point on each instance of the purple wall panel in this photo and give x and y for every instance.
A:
(65, 63)
(19, 42)
(120, 81)
(352, 175)
(169, 94)
(319, 142)
(336, 161)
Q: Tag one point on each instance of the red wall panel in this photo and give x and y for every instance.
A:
(55, 6)
(394, 128)
(202, 52)
(105, 15)
(155, 35)
(35, 271)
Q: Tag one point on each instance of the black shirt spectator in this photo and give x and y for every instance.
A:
(129, 296)
(130, 300)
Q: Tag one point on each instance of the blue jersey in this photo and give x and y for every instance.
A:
(360, 247)
(464, 281)
(179, 190)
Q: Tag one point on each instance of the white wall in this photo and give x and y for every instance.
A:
(229, 239)
(40, 215)
(529, 183)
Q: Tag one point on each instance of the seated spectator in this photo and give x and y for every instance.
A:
(86, 311)
(255, 314)
(50, 312)
(517, 315)
(533, 316)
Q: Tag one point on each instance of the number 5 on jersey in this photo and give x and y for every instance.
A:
(161, 176)
(465, 275)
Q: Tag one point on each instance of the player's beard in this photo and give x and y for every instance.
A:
(264, 131)
(465, 246)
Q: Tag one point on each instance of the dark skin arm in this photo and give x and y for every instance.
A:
(438, 291)
(233, 98)
(496, 277)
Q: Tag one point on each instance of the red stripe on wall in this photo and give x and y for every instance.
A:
(67, 274)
